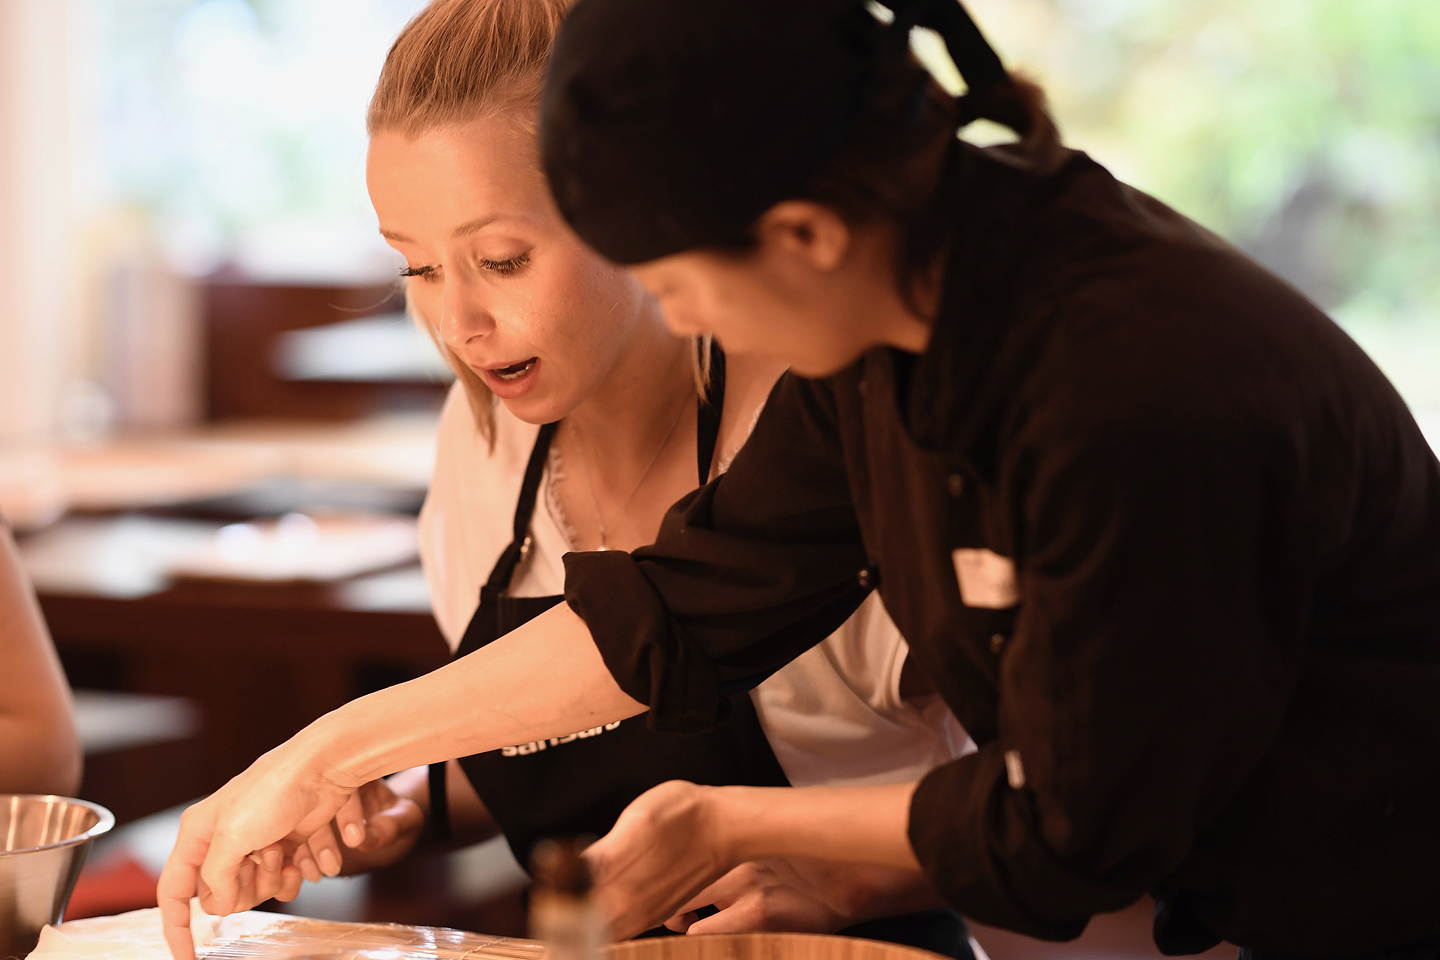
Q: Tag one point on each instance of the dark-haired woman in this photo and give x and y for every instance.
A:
(1160, 534)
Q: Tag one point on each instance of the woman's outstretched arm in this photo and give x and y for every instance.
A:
(545, 679)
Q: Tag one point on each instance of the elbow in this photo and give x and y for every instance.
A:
(46, 760)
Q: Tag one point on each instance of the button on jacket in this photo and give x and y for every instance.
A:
(1161, 535)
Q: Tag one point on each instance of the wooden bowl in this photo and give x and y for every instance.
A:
(764, 946)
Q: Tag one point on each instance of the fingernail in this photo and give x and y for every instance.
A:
(329, 863)
(354, 835)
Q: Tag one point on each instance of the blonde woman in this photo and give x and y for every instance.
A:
(1163, 536)
(575, 423)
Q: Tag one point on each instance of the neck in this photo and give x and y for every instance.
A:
(900, 321)
(906, 330)
(637, 403)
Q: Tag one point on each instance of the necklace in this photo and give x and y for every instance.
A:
(590, 475)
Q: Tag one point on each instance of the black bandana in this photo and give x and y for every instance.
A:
(669, 125)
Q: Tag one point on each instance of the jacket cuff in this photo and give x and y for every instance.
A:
(975, 839)
(640, 643)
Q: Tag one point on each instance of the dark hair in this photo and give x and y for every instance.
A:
(891, 165)
(732, 121)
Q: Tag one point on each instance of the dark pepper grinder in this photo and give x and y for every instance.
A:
(563, 914)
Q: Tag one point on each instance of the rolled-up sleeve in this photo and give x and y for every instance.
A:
(1148, 673)
(746, 573)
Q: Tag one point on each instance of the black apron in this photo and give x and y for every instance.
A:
(579, 784)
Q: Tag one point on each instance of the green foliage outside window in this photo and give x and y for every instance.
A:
(1305, 131)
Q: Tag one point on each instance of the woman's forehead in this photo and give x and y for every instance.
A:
(456, 180)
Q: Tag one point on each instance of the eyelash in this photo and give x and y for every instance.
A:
(506, 267)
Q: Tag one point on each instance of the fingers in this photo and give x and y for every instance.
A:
(384, 829)
(729, 888)
(222, 871)
(303, 859)
(180, 880)
(247, 886)
(350, 820)
(290, 880)
(741, 917)
(267, 884)
(399, 823)
(325, 848)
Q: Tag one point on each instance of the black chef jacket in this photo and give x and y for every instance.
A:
(1163, 537)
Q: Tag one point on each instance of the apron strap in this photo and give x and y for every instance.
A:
(509, 561)
(500, 577)
(708, 412)
(439, 821)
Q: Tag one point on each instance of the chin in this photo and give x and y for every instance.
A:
(536, 410)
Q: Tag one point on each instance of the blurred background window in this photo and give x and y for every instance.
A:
(1307, 132)
(237, 127)
(227, 135)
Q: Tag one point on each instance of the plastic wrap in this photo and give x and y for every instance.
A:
(299, 938)
(138, 936)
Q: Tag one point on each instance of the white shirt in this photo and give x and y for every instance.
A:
(834, 715)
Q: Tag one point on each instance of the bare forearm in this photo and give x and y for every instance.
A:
(862, 825)
(38, 757)
(544, 680)
(38, 748)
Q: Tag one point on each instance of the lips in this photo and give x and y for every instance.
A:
(514, 371)
(511, 380)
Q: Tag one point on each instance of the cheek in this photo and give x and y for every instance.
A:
(423, 301)
(585, 312)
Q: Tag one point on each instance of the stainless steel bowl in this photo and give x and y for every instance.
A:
(43, 843)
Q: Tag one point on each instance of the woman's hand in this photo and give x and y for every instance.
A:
(666, 847)
(803, 895)
(378, 827)
(677, 839)
(765, 895)
(280, 798)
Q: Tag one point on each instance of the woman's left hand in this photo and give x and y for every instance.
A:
(804, 895)
(768, 895)
(281, 798)
(673, 843)
(666, 847)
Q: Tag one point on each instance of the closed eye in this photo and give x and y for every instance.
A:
(425, 272)
(508, 266)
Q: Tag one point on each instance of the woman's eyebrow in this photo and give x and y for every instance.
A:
(464, 230)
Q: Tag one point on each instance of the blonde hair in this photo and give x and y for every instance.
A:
(459, 60)
(456, 61)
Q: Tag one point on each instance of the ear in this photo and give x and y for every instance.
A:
(810, 231)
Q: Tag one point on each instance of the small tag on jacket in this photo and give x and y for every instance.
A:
(987, 580)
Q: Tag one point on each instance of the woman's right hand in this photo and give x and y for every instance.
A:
(375, 828)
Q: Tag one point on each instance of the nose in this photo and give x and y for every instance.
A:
(463, 316)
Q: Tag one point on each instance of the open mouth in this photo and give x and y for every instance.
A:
(516, 370)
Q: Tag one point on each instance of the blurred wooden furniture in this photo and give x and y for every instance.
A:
(139, 750)
(764, 946)
(258, 662)
(246, 373)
